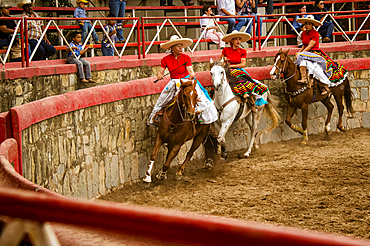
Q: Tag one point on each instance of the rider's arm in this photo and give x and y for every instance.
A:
(310, 45)
(160, 73)
(241, 64)
(191, 72)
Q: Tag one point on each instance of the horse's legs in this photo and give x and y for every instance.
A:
(338, 96)
(223, 130)
(254, 128)
(153, 157)
(197, 141)
(304, 123)
(290, 112)
(172, 153)
(329, 106)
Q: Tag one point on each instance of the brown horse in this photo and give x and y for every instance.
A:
(178, 125)
(300, 96)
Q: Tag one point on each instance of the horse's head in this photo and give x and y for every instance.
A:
(218, 73)
(188, 97)
(280, 64)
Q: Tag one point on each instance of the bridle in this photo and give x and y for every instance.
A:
(281, 70)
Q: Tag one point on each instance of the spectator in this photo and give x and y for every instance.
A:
(45, 49)
(7, 27)
(118, 8)
(299, 27)
(169, 3)
(187, 2)
(208, 25)
(227, 8)
(326, 30)
(111, 28)
(244, 8)
(269, 8)
(86, 25)
(77, 48)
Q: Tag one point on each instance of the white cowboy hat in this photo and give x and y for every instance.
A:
(176, 40)
(244, 36)
(20, 5)
(309, 18)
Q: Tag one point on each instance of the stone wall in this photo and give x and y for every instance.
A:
(87, 152)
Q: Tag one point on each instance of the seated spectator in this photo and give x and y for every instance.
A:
(86, 25)
(326, 30)
(244, 8)
(208, 25)
(299, 27)
(45, 49)
(169, 3)
(268, 9)
(77, 48)
(227, 8)
(7, 27)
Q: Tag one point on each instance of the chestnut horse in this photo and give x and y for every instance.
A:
(300, 96)
(178, 125)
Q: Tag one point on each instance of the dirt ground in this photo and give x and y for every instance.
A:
(323, 186)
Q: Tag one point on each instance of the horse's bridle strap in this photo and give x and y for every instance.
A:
(228, 102)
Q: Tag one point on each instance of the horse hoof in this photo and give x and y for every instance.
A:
(246, 154)
(341, 128)
(303, 143)
(162, 175)
(178, 177)
(147, 179)
(209, 163)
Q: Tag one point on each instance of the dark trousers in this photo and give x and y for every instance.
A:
(43, 51)
(327, 31)
(269, 7)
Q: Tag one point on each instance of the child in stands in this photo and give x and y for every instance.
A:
(85, 25)
(106, 46)
(73, 52)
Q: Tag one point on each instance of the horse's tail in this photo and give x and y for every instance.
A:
(348, 97)
(272, 110)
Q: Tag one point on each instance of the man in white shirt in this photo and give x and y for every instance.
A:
(227, 8)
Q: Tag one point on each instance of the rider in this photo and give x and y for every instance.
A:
(318, 63)
(241, 82)
(180, 67)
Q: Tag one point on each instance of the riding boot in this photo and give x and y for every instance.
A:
(303, 79)
(325, 90)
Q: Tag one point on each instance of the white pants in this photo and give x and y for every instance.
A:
(216, 37)
(205, 106)
(316, 71)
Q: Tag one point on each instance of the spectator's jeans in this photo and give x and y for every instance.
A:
(327, 31)
(81, 64)
(4, 42)
(107, 51)
(118, 8)
(43, 51)
(249, 29)
(269, 8)
(86, 27)
(169, 2)
(231, 21)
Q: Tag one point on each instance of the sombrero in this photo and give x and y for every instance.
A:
(4, 5)
(24, 2)
(309, 18)
(176, 40)
(244, 36)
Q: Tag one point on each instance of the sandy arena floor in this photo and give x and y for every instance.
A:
(323, 186)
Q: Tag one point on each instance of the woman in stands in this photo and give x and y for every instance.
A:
(326, 31)
(180, 67)
(208, 25)
(319, 64)
(240, 81)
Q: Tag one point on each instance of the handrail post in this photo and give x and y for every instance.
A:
(258, 31)
(22, 42)
(254, 33)
(138, 38)
(27, 46)
(143, 35)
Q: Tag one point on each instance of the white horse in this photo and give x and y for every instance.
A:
(228, 107)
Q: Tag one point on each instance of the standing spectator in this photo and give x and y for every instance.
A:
(208, 25)
(45, 49)
(244, 8)
(111, 28)
(78, 49)
(227, 8)
(85, 25)
(7, 27)
(326, 30)
(118, 8)
(269, 8)
(299, 27)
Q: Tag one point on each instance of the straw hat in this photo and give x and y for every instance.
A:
(20, 5)
(309, 18)
(176, 40)
(82, 1)
(235, 34)
(4, 5)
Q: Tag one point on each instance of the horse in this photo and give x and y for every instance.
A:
(178, 125)
(230, 110)
(300, 96)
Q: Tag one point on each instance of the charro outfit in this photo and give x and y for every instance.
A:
(177, 66)
(245, 83)
(318, 63)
